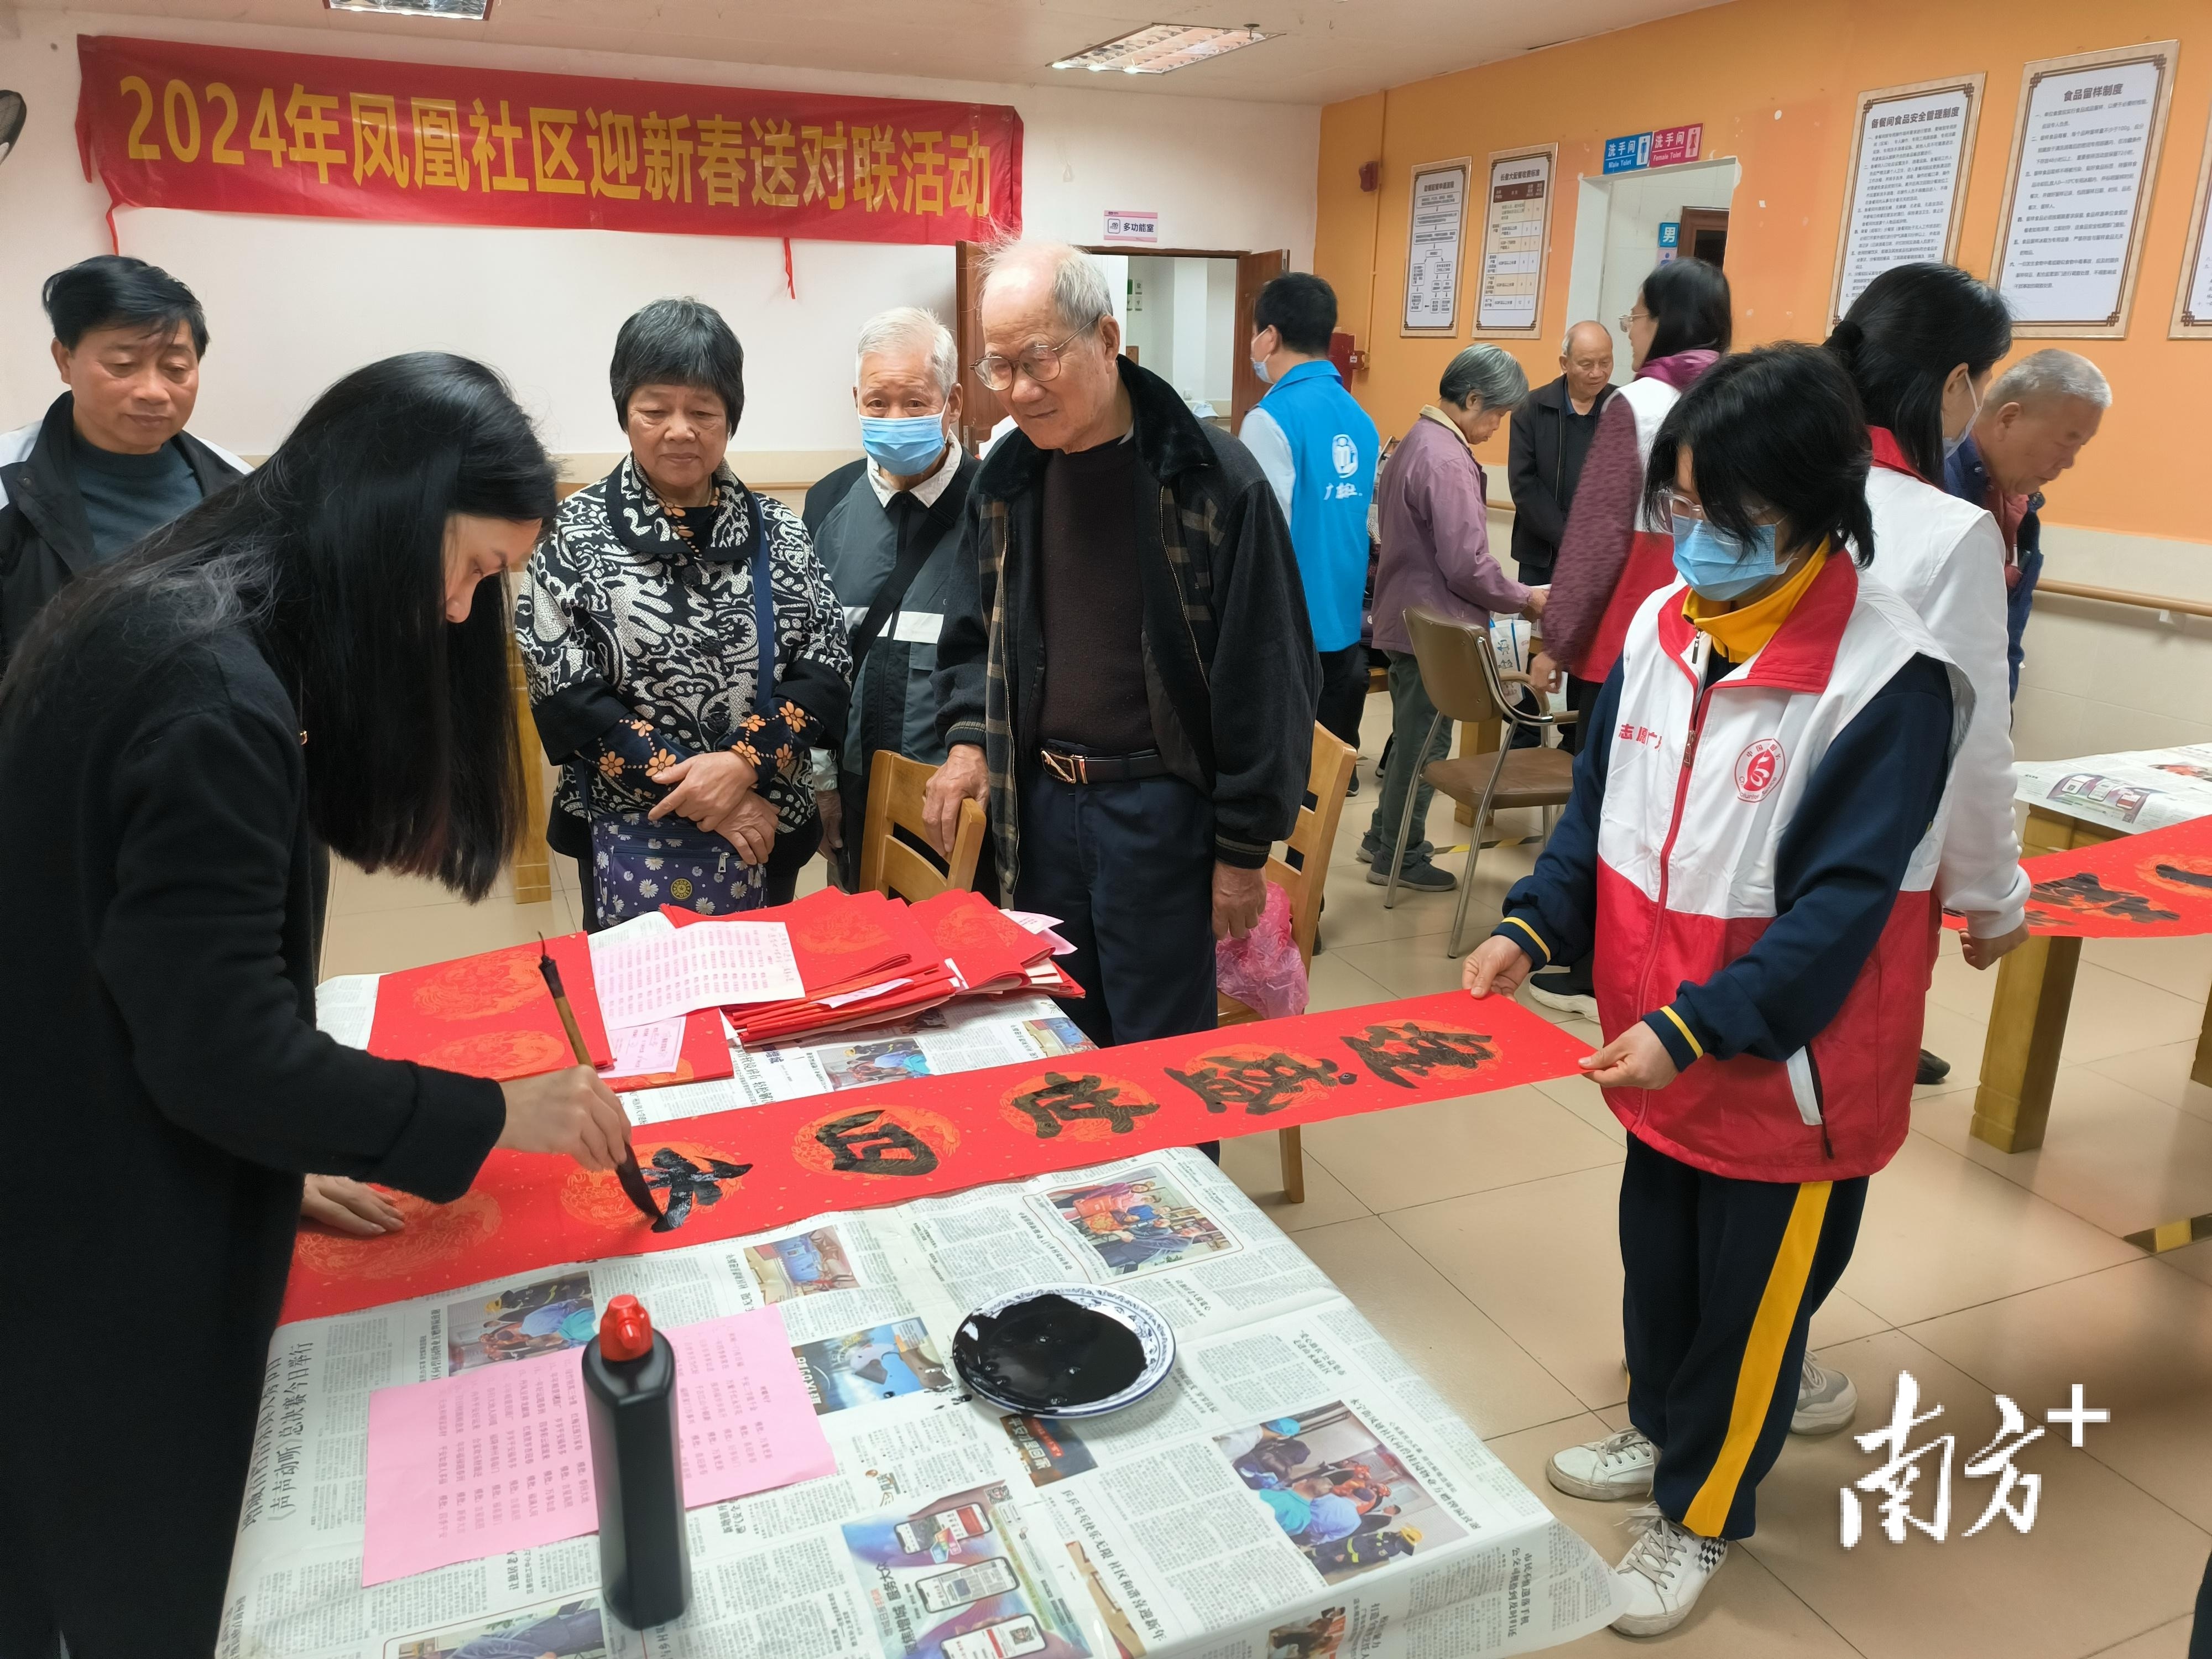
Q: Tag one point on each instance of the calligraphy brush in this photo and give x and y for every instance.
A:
(627, 1172)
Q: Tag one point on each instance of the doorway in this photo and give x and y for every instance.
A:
(1618, 222)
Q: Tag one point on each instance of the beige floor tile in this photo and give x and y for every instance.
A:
(2195, 1260)
(1440, 1149)
(355, 891)
(2137, 1338)
(1331, 984)
(1745, 1612)
(1587, 1101)
(2169, 1641)
(1962, 990)
(1416, 967)
(2182, 966)
(1543, 1260)
(2104, 1560)
(2113, 1014)
(1941, 1233)
(1841, 1319)
(2112, 1155)
(1958, 1039)
(1254, 1163)
(2162, 1072)
(385, 941)
(1488, 1379)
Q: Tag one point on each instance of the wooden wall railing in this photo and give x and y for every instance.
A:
(2125, 596)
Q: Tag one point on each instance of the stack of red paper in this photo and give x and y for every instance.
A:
(489, 1015)
(864, 958)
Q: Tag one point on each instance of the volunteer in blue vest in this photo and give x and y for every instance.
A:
(887, 529)
(1317, 447)
(1756, 822)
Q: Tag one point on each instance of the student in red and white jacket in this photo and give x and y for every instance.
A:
(1757, 819)
(1920, 345)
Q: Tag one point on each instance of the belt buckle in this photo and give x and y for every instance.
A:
(1068, 768)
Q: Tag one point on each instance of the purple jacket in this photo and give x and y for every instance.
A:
(1435, 510)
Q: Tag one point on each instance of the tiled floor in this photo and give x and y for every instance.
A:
(1479, 1237)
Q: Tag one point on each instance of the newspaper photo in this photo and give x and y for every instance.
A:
(2138, 790)
(1294, 1487)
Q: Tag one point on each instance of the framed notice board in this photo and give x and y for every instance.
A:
(1436, 237)
(1905, 195)
(1516, 232)
(2085, 148)
(2192, 299)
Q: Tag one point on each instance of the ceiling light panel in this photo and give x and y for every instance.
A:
(468, 11)
(1158, 48)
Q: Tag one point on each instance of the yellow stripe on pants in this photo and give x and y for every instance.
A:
(1756, 1378)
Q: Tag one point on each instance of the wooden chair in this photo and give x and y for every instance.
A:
(1460, 672)
(888, 863)
(1312, 839)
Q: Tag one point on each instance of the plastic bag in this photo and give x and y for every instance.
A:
(1263, 970)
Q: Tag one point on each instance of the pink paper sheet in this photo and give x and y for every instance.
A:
(499, 1459)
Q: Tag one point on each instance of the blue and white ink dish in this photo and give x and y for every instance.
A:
(1064, 1351)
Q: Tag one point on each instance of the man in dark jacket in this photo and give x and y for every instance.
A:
(887, 529)
(111, 463)
(1552, 433)
(1130, 674)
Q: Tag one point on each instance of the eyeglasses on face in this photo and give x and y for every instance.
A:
(1628, 317)
(1041, 363)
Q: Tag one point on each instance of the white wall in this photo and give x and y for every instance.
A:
(1617, 238)
(293, 303)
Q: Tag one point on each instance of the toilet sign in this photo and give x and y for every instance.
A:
(1628, 153)
(1666, 147)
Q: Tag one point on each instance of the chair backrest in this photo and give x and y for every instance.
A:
(888, 864)
(1459, 668)
(1314, 835)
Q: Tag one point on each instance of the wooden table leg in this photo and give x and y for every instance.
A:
(1294, 1166)
(2020, 1060)
(2200, 1069)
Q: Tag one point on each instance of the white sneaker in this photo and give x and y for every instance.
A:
(1659, 1580)
(1618, 1467)
(1826, 1401)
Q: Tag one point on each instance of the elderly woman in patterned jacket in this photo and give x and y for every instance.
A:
(682, 744)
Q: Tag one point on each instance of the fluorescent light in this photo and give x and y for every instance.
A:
(1158, 48)
(468, 11)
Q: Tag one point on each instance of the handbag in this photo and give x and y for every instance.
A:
(639, 864)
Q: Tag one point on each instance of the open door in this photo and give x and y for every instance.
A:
(980, 408)
(1703, 235)
(1254, 272)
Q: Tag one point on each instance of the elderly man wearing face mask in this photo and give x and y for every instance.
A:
(887, 530)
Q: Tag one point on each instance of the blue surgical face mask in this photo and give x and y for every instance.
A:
(1719, 567)
(903, 446)
(1259, 370)
(1951, 445)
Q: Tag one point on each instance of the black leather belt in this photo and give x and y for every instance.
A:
(1103, 769)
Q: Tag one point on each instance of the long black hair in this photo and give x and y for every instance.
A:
(1689, 300)
(1903, 337)
(1775, 429)
(332, 554)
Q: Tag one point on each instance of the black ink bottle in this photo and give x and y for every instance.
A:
(637, 1467)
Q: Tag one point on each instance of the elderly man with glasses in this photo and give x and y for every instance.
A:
(1129, 677)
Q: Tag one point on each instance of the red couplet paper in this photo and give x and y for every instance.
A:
(491, 1015)
(2157, 884)
(760, 1167)
(225, 130)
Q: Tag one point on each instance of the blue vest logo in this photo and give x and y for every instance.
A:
(1346, 454)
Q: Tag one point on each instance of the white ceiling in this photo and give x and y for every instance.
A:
(1327, 49)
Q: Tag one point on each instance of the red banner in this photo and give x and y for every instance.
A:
(746, 1170)
(228, 130)
(2155, 885)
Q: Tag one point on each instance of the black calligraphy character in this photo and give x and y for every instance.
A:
(1404, 1053)
(1088, 1099)
(869, 1143)
(686, 1183)
(1259, 1084)
(2083, 895)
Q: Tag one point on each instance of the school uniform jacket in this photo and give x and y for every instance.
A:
(1751, 854)
(1945, 558)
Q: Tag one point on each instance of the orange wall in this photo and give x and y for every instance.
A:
(1775, 83)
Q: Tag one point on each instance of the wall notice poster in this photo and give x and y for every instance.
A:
(223, 130)
(1437, 233)
(1517, 228)
(2192, 303)
(2077, 190)
(1905, 195)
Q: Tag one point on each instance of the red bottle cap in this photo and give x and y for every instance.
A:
(625, 1330)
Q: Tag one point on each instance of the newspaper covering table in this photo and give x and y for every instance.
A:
(1294, 1487)
(2136, 790)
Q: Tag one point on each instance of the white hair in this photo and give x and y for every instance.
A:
(911, 326)
(1080, 293)
(1567, 340)
(2052, 374)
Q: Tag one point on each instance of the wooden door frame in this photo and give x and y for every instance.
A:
(1694, 220)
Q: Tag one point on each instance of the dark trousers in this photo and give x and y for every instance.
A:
(1581, 697)
(1723, 1276)
(1410, 716)
(1343, 691)
(1128, 869)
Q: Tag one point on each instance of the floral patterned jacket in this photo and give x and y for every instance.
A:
(638, 644)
